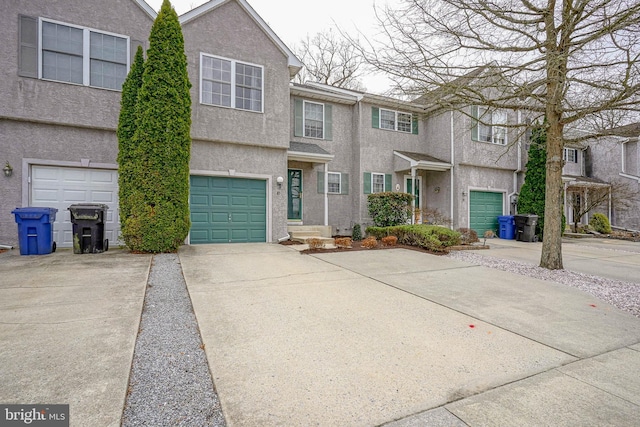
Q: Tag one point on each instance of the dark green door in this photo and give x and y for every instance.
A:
(228, 210)
(484, 209)
(294, 210)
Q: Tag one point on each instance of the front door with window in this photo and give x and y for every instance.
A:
(294, 211)
(408, 188)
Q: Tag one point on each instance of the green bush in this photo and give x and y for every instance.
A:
(158, 215)
(356, 234)
(389, 208)
(600, 223)
(431, 237)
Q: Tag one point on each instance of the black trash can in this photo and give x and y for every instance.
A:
(88, 228)
(526, 227)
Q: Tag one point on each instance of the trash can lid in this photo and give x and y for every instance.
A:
(88, 206)
(34, 209)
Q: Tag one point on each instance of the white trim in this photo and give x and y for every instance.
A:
(86, 52)
(234, 63)
(302, 156)
(424, 164)
(624, 175)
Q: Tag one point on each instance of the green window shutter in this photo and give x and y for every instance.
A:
(387, 182)
(328, 122)
(28, 43)
(375, 117)
(367, 182)
(414, 124)
(344, 185)
(474, 123)
(298, 125)
(321, 182)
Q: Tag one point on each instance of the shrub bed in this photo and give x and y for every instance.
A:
(431, 237)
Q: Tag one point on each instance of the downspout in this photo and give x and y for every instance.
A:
(413, 200)
(326, 194)
(451, 192)
(518, 169)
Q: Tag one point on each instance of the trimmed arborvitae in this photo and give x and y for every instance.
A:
(126, 129)
(532, 193)
(159, 217)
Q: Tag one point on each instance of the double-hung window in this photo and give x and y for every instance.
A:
(394, 120)
(377, 182)
(570, 155)
(229, 83)
(334, 180)
(490, 125)
(83, 56)
(313, 120)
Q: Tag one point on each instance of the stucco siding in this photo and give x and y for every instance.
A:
(229, 32)
(59, 102)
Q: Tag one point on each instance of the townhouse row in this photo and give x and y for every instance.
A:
(267, 155)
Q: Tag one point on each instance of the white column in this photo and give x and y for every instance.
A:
(326, 194)
(413, 190)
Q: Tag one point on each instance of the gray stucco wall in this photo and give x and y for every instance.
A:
(227, 31)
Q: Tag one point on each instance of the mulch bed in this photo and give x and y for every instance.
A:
(357, 246)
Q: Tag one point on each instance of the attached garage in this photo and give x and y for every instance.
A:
(228, 210)
(60, 187)
(484, 209)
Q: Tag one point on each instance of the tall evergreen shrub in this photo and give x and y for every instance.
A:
(126, 129)
(531, 198)
(159, 217)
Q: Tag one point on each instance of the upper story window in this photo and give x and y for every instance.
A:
(377, 182)
(394, 120)
(312, 119)
(228, 83)
(570, 155)
(489, 125)
(62, 52)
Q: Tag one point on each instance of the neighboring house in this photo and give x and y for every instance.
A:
(268, 157)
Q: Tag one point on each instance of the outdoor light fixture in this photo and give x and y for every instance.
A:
(8, 170)
(436, 190)
(279, 180)
(464, 193)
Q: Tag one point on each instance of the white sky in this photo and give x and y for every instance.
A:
(293, 20)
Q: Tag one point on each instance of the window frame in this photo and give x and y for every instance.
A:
(396, 121)
(304, 119)
(233, 82)
(339, 174)
(86, 53)
(492, 129)
(373, 183)
(566, 157)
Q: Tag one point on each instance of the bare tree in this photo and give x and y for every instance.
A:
(573, 62)
(583, 199)
(330, 59)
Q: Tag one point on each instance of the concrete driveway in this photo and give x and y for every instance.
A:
(68, 325)
(402, 337)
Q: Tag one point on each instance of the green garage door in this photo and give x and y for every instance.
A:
(225, 210)
(484, 209)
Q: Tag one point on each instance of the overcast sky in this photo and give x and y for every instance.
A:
(293, 20)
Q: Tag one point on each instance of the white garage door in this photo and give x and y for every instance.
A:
(60, 187)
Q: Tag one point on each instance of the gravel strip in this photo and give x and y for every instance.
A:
(170, 382)
(623, 295)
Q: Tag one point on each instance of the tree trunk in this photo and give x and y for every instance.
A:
(551, 257)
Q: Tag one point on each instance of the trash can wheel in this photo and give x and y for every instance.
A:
(106, 245)
(53, 247)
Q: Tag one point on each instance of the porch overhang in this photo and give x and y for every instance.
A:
(305, 152)
(405, 161)
(583, 182)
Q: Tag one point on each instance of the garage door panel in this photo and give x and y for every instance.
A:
(232, 204)
(59, 187)
(484, 209)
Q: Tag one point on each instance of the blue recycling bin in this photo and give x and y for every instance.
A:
(507, 226)
(35, 230)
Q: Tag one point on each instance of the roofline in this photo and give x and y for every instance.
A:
(145, 6)
(294, 64)
(323, 94)
(424, 164)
